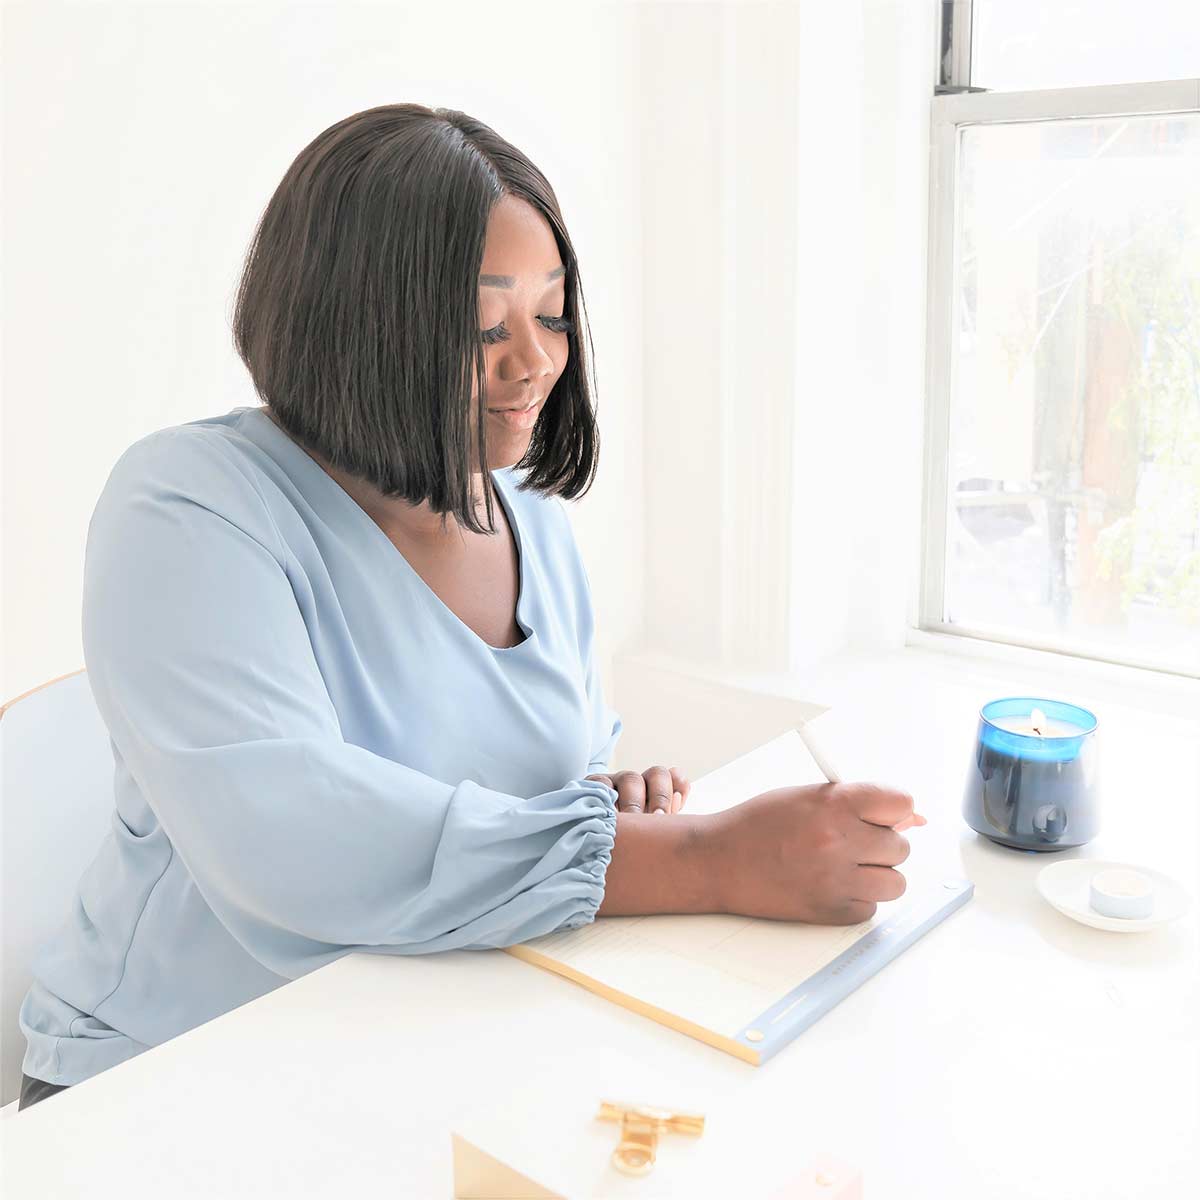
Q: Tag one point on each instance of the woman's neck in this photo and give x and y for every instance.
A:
(415, 522)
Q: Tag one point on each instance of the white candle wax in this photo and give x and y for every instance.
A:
(1121, 892)
(1037, 724)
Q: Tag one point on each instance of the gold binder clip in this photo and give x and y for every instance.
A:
(640, 1126)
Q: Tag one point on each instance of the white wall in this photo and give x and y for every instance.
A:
(784, 176)
(746, 185)
(899, 68)
(784, 183)
(141, 144)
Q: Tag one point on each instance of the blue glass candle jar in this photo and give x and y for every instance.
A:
(1033, 783)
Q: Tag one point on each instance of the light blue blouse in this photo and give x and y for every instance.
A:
(312, 754)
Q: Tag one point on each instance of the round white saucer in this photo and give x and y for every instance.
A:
(1065, 885)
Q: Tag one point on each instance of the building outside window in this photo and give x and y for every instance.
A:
(1063, 363)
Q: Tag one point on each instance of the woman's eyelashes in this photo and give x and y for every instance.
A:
(555, 324)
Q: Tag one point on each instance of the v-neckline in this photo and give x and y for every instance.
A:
(500, 489)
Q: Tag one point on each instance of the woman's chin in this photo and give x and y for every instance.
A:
(503, 452)
(499, 459)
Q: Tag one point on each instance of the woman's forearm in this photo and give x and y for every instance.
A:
(661, 864)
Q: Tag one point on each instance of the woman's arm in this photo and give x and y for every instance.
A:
(303, 844)
(665, 866)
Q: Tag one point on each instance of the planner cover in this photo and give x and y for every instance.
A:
(747, 985)
(539, 1137)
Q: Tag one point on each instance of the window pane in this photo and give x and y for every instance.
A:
(1074, 456)
(1017, 44)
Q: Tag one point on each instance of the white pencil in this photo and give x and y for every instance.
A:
(814, 748)
(821, 758)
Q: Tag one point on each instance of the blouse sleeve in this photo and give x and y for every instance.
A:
(304, 845)
(606, 722)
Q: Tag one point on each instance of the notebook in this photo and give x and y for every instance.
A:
(746, 985)
(538, 1137)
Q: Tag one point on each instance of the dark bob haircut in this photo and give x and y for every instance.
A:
(357, 311)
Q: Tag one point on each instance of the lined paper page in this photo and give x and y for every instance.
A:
(716, 971)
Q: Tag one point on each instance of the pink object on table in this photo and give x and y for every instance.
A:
(824, 1178)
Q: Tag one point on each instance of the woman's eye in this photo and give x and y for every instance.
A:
(555, 324)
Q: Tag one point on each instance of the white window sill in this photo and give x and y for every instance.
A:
(991, 669)
(909, 717)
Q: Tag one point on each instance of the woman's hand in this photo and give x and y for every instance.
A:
(655, 790)
(825, 853)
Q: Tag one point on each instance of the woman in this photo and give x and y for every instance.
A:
(346, 656)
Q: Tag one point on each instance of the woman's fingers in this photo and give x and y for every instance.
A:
(880, 805)
(682, 787)
(657, 789)
(882, 847)
(660, 789)
(877, 884)
(631, 791)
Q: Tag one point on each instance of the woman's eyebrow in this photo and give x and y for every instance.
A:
(507, 281)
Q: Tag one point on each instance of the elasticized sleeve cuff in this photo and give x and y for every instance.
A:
(594, 856)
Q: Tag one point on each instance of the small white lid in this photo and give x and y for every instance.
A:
(1066, 885)
(1121, 892)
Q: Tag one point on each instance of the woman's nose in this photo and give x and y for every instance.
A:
(527, 358)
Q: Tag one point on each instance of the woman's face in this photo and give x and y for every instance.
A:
(522, 290)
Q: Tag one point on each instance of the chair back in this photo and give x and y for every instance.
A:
(56, 807)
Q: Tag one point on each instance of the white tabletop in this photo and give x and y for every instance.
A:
(1010, 1052)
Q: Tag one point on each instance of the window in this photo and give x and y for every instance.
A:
(1063, 438)
(1023, 44)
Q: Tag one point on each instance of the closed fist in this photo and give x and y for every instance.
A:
(654, 790)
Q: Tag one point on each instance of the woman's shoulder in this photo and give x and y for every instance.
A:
(206, 464)
(544, 515)
(209, 443)
(547, 516)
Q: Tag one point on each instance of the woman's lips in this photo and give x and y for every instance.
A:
(515, 407)
(518, 419)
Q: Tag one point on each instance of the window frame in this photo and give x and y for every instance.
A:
(950, 113)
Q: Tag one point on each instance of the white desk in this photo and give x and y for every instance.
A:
(985, 1062)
